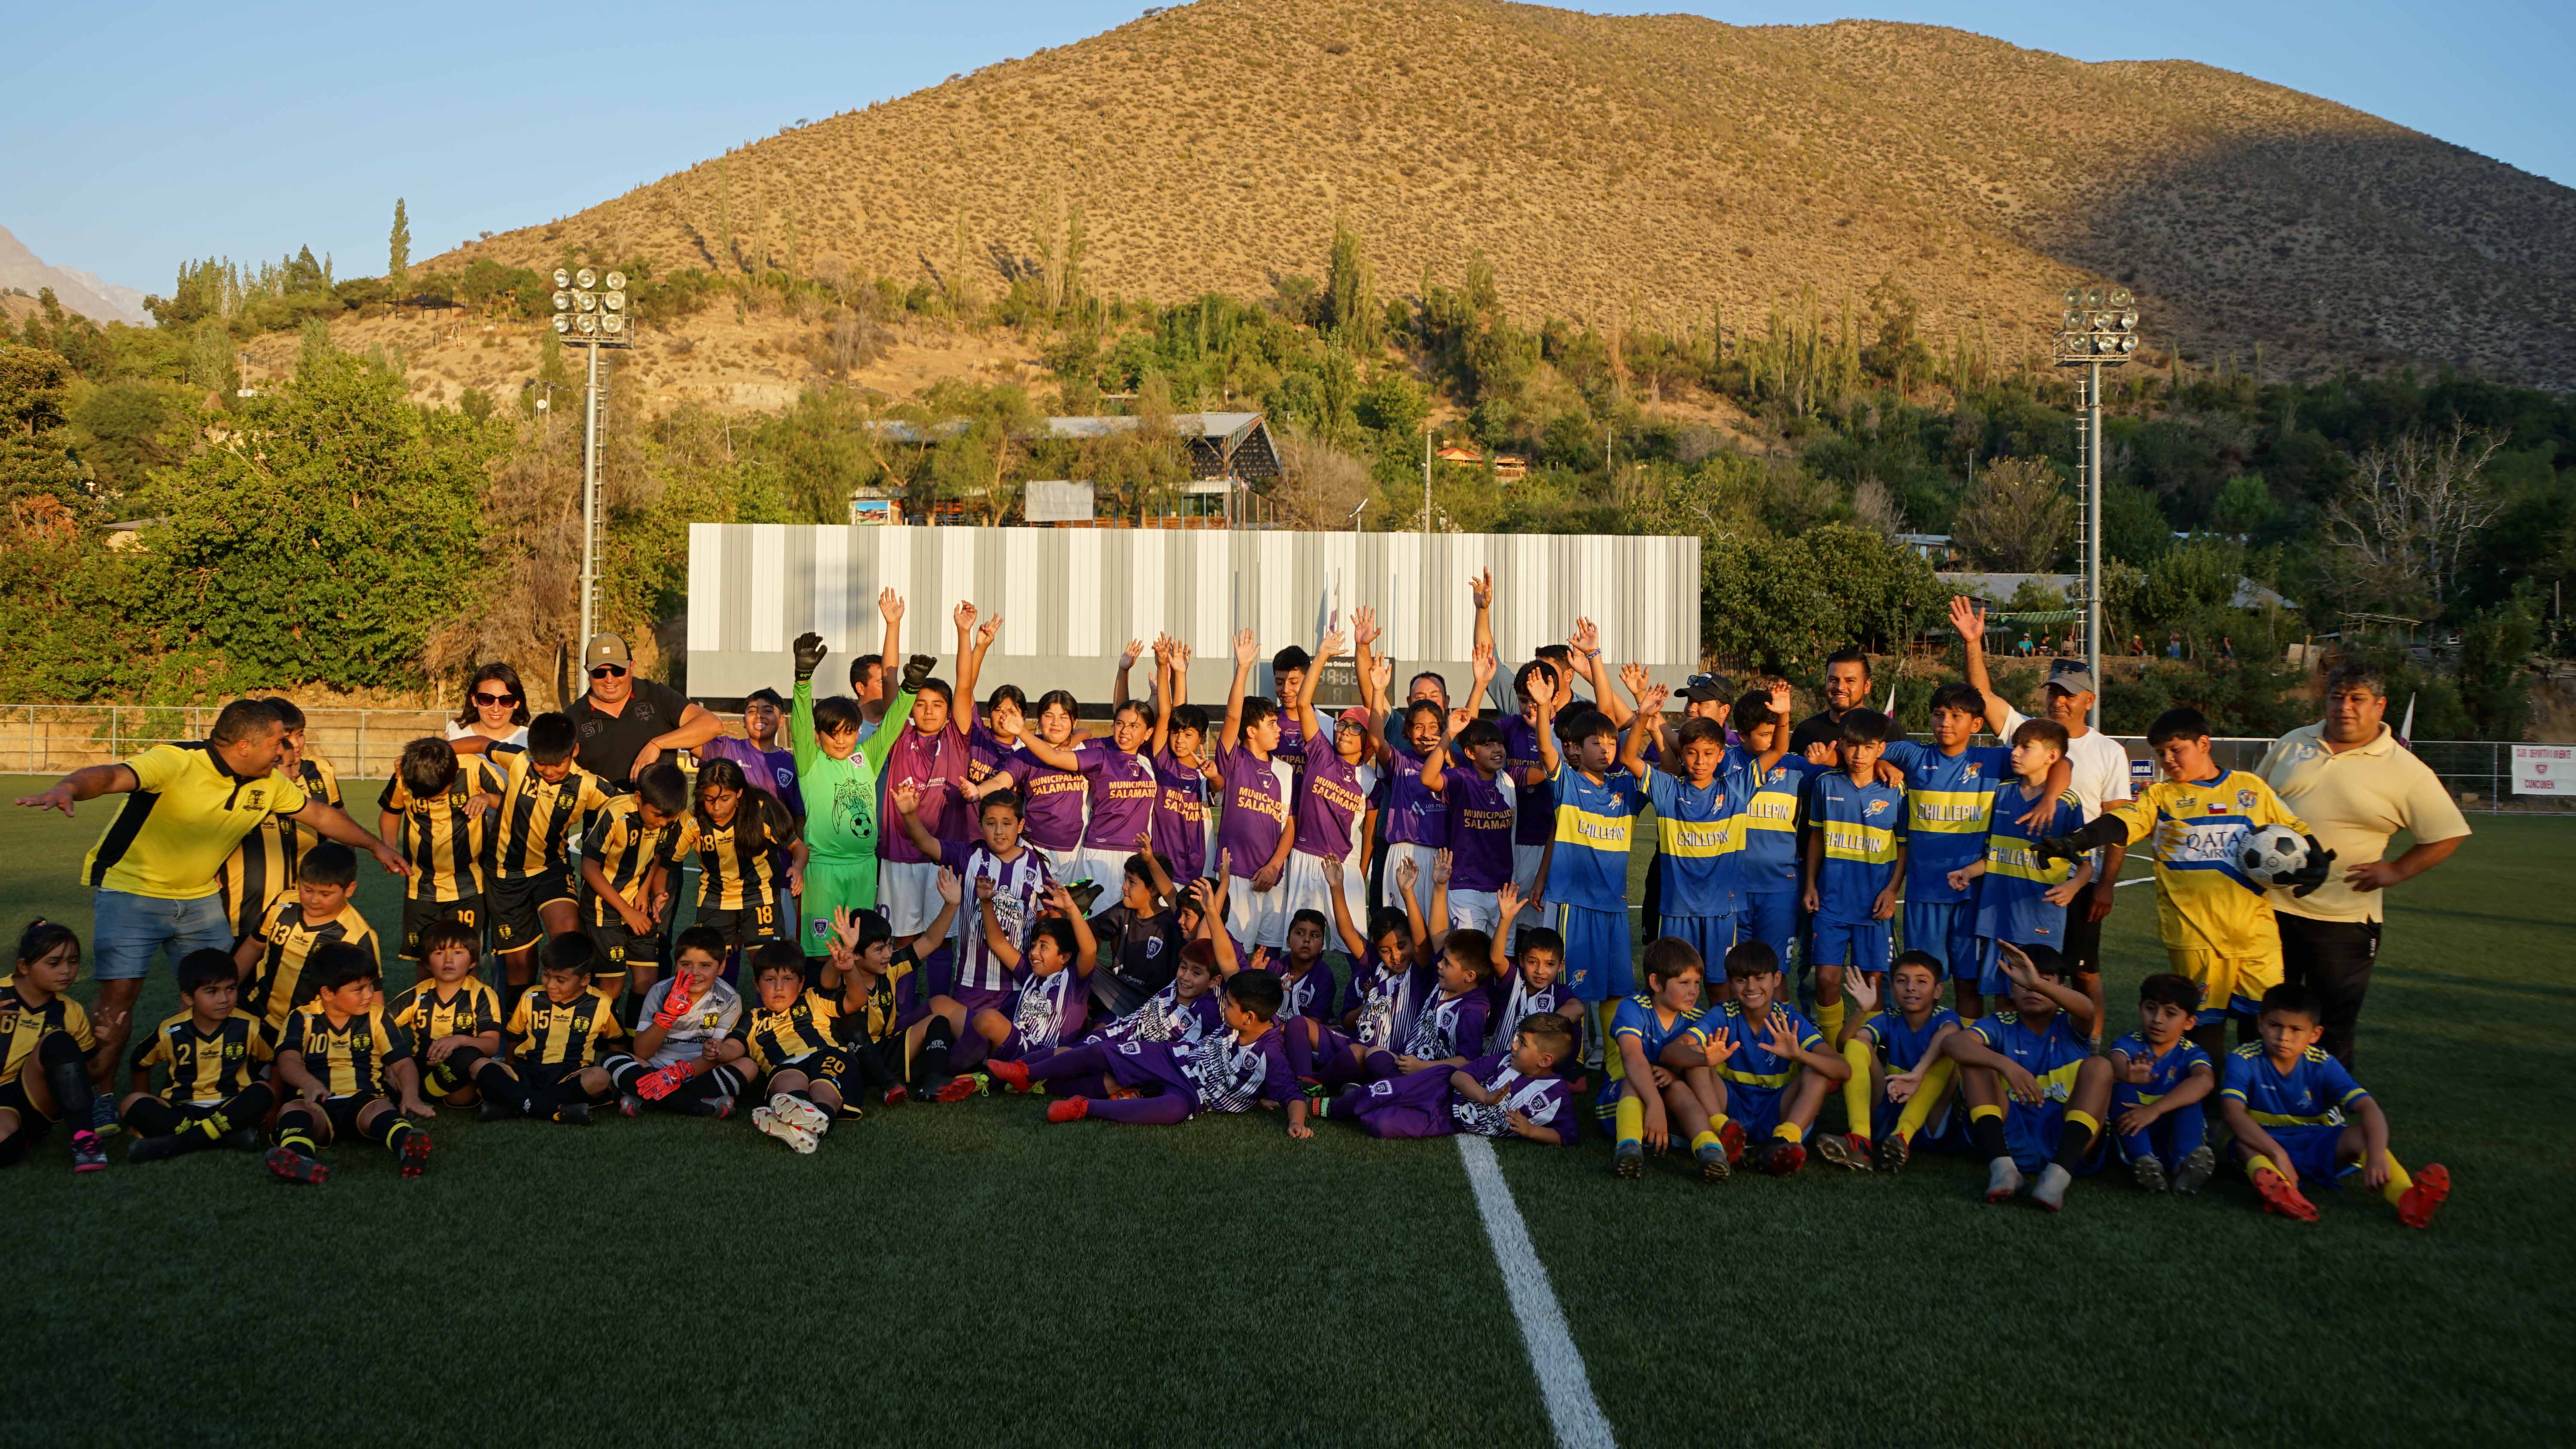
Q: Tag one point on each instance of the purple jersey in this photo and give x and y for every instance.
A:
(1165, 1017)
(1330, 802)
(1514, 999)
(772, 772)
(1385, 1001)
(1414, 816)
(1050, 1009)
(1448, 1026)
(1292, 740)
(1231, 1074)
(1180, 818)
(936, 766)
(1123, 790)
(1480, 829)
(987, 753)
(1051, 801)
(1536, 803)
(1256, 809)
(1309, 996)
(1019, 890)
(1545, 1101)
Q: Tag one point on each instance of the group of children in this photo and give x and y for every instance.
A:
(1474, 873)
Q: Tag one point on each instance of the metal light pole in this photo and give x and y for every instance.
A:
(591, 318)
(2098, 330)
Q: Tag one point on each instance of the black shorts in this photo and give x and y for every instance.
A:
(821, 1066)
(32, 1120)
(621, 950)
(419, 916)
(2083, 935)
(518, 907)
(744, 928)
(341, 1113)
(559, 1078)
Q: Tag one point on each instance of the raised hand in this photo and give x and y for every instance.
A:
(1381, 674)
(983, 888)
(1244, 648)
(1364, 630)
(1652, 701)
(845, 926)
(1968, 616)
(1480, 589)
(1127, 657)
(810, 650)
(1440, 861)
(1408, 872)
(1459, 718)
(1863, 995)
(951, 889)
(1586, 638)
(984, 634)
(1633, 675)
(963, 616)
(1780, 1039)
(1330, 646)
(1508, 899)
(1485, 664)
(890, 604)
(906, 798)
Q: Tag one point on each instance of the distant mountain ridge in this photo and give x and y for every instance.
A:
(101, 302)
(1657, 168)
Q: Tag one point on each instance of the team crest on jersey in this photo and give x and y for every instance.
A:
(1153, 948)
(258, 797)
(1876, 807)
(2244, 799)
(1972, 769)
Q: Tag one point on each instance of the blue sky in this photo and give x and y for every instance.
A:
(135, 136)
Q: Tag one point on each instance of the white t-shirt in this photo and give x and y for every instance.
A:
(516, 739)
(2099, 764)
(711, 1015)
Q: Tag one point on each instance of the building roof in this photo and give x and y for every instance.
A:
(1221, 444)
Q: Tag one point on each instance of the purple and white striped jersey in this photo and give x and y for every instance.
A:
(1019, 892)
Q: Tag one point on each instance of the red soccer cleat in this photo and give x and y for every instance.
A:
(415, 1153)
(1068, 1109)
(896, 1094)
(2281, 1196)
(1014, 1075)
(1784, 1158)
(1731, 1136)
(2415, 1206)
(293, 1166)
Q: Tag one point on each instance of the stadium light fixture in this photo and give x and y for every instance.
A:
(2097, 328)
(590, 316)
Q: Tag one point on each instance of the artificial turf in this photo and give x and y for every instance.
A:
(968, 1274)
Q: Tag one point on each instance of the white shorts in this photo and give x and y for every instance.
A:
(1475, 910)
(1107, 869)
(1306, 890)
(1257, 918)
(1391, 893)
(1062, 865)
(908, 893)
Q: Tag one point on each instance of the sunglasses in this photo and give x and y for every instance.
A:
(608, 671)
(496, 699)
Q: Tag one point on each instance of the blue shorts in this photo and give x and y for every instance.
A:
(2312, 1152)
(1708, 935)
(1598, 964)
(1864, 945)
(1947, 932)
(1755, 1109)
(2175, 1136)
(127, 928)
(1944, 1131)
(1772, 919)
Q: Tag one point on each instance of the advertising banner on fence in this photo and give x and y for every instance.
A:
(2544, 770)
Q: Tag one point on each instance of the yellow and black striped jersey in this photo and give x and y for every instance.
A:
(810, 1025)
(348, 1057)
(205, 1066)
(440, 839)
(428, 1015)
(549, 1033)
(262, 867)
(626, 847)
(276, 988)
(730, 877)
(22, 1026)
(526, 836)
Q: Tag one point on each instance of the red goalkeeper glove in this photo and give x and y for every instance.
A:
(657, 1085)
(675, 1004)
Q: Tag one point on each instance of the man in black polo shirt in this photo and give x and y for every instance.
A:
(626, 723)
(1846, 689)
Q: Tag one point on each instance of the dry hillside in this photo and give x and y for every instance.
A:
(1654, 167)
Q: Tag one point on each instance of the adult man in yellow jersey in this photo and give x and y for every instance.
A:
(152, 872)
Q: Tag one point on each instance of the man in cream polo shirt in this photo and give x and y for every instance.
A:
(2347, 776)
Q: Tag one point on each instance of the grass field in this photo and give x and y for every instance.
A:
(970, 1275)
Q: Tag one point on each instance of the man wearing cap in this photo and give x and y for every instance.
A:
(2348, 777)
(2099, 764)
(626, 723)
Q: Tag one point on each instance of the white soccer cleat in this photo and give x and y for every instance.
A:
(2003, 1180)
(2050, 1191)
(782, 1129)
(801, 1112)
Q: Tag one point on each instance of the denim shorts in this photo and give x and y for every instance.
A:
(127, 928)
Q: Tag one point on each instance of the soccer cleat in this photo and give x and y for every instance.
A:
(102, 1115)
(150, 1149)
(1629, 1160)
(293, 1166)
(720, 1107)
(800, 1112)
(629, 1105)
(1713, 1166)
(1014, 1075)
(415, 1150)
(2281, 1196)
(2415, 1207)
(572, 1114)
(2050, 1191)
(770, 1121)
(2149, 1170)
(2003, 1180)
(2195, 1170)
(1732, 1135)
(491, 1111)
(1845, 1149)
(1783, 1158)
(959, 1088)
(87, 1153)
(895, 1096)
(240, 1139)
(1068, 1109)
(1893, 1151)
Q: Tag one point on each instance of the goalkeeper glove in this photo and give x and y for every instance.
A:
(809, 655)
(675, 1004)
(2312, 875)
(655, 1087)
(916, 672)
(2106, 830)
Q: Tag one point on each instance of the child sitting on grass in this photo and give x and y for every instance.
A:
(2160, 1078)
(453, 1019)
(45, 1076)
(2036, 1093)
(1898, 1078)
(1226, 1071)
(686, 1057)
(351, 1070)
(794, 1040)
(1768, 1064)
(1051, 981)
(563, 1039)
(1385, 988)
(1518, 1092)
(1648, 1100)
(2286, 1100)
(1449, 1021)
(276, 980)
(213, 1057)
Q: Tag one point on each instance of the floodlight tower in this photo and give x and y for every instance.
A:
(590, 316)
(2099, 330)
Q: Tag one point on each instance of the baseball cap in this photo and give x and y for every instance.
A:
(1703, 689)
(2072, 677)
(1355, 717)
(605, 649)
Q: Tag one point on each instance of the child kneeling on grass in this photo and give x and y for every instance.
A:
(213, 1056)
(1518, 1092)
(1226, 1071)
(2285, 1100)
(45, 1077)
(794, 1038)
(340, 1055)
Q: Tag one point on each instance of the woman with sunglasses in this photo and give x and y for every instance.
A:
(496, 710)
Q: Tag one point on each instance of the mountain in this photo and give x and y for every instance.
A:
(78, 291)
(1653, 168)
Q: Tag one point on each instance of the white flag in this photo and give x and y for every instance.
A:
(2406, 730)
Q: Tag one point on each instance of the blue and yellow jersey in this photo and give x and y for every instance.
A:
(1901, 1045)
(1864, 827)
(1638, 1019)
(2164, 1073)
(1767, 832)
(2203, 901)
(1949, 800)
(2053, 1053)
(1594, 820)
(1698, 847)
(2313, 1093)
(2011, 904)
(1754, 1065)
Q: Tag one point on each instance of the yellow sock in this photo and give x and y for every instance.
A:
(1789, 1132)
(2090, 1123)
(2259, 1163)
(1632, 1119)
(1703, 1139)
(1857, 1106)
(1926, 1099)
(1829, 1017)
(1997, 1113)
(2394, 1189)
(1602, 1011)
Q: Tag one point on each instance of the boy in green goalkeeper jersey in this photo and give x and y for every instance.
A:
(837, 774)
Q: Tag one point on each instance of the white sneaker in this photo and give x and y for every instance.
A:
(801, 1112)
(784, 1130)
(2003, 1180)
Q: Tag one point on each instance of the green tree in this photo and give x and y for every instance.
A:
(398, 265)
(2016, 518)
(1349, 304)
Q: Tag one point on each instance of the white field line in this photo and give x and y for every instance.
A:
(1561, 1379)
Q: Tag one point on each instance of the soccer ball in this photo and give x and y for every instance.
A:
(2269, 852)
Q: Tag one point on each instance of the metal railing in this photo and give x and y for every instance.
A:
(2478, 773)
